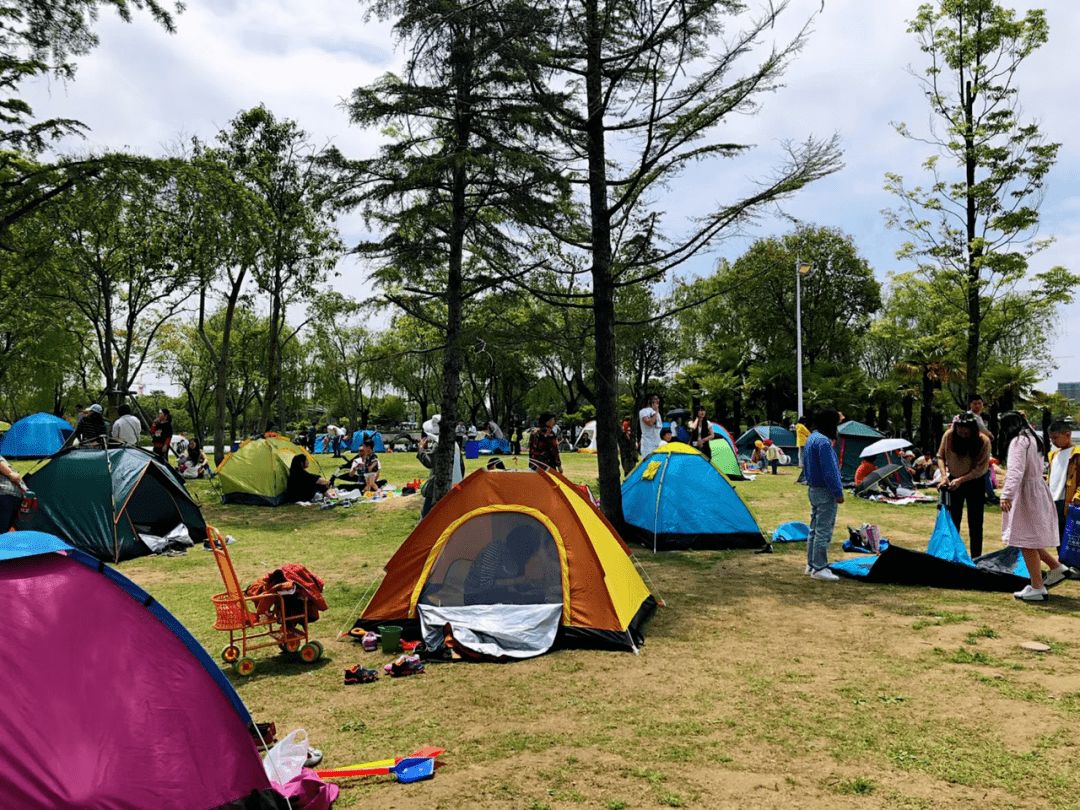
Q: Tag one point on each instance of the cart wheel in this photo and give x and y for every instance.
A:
(290, 646)
(245, 666)
(311, 652)
(230, 654)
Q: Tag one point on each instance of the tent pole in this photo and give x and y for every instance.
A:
(112, 499)
(365, 597)
(656, 509)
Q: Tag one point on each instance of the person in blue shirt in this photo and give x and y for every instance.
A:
(822, 472)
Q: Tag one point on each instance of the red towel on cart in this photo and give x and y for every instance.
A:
(284, 578)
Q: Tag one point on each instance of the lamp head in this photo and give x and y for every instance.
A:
(806, 270)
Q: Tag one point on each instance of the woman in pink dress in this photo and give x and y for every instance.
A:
(1028, 520)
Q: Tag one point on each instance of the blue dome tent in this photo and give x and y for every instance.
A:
(360, 436)
(676, 499)
(36, 436)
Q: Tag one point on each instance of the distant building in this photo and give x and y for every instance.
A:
(1070, 390)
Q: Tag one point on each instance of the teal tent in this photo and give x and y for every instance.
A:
(851, 439)
(115, 504)
(780, 436)
(676, 499)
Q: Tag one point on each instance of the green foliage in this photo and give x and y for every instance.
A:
(742, 337)
(38, 39)
(973, 229)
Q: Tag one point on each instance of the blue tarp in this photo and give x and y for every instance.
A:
(793, 532)
(945, 564)
(35, 436)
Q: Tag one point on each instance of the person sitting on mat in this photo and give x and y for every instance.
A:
(303, 485)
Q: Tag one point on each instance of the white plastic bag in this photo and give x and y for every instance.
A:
(285, 760)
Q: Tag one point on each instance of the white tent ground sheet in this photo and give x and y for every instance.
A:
(517, 631)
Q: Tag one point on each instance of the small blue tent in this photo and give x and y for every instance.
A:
(35, 436)
(676, 499)
(360, 436)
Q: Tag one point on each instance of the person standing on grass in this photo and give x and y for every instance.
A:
(772, 455)
(802, 433)
(650, 423)
(975, 408)
(11, 495)
(826, 492)
(701, 432)
(127, 428)
(963, 461)
(1028, 520)
(543, 446)
(1064, 473)
(161, 433)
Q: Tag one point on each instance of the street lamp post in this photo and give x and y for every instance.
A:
(802, 270)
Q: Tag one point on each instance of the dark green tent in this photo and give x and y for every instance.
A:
(851, 439)
(104, 501)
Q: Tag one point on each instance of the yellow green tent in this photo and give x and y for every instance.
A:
(257, 472)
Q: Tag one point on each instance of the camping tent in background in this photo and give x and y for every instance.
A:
(945, 564)
(257, 473)
(491, 446)
(115, 504)
(360, 436)
(35, 436)
(586, 442)
(851, 438)
(581, 587)
(722, 432)
(780, 436)
(676, 499)
(724, 454)
(725, 460)
(149, 721)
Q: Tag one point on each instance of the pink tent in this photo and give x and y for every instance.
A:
(108, 701)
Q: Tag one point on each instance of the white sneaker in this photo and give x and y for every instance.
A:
(1030, 594)
(1056, 575)
(825, 575)
(809, 570)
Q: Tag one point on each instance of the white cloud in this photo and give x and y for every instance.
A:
(143, 89)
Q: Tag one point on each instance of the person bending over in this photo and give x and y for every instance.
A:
(963, 461)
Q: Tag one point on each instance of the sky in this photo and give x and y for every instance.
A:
(145, 90)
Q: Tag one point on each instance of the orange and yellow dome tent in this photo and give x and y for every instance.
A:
(515, 562)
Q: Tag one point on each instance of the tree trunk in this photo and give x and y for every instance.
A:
(974, 253)
(926, 413)
(606, 386)
(443, 464)
(909, 415)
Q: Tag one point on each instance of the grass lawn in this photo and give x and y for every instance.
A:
(756, 685)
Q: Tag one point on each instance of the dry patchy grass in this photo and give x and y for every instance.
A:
(756, 685)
